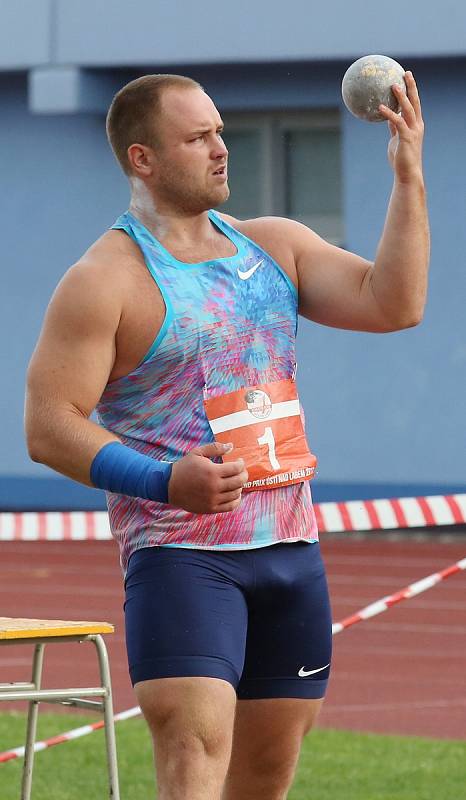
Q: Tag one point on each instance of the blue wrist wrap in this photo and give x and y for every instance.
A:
(120, 469)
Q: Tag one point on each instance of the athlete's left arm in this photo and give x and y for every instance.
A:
(341, 289)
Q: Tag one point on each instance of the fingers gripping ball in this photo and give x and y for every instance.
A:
(367, 83)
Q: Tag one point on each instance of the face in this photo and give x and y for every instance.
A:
(190, 163)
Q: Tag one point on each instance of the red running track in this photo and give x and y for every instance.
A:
(401, 672)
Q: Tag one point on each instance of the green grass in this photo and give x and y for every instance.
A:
(334, 765)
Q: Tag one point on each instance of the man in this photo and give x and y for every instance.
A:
(178, 325)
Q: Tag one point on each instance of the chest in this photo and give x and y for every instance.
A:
(220, 305)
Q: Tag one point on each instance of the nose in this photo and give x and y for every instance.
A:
(220, 150)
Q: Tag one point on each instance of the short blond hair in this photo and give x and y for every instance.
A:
(132, 116)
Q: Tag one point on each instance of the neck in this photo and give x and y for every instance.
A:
(170, 224)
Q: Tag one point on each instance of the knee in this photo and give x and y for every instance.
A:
(274, 769)
(187, 722)
(192, 744)
(174, 739)
(189, 763)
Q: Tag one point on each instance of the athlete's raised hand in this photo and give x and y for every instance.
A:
(198, 484)
(407, 131)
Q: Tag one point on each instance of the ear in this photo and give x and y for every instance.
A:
(141, 159)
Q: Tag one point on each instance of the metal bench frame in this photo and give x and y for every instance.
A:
(42, 632)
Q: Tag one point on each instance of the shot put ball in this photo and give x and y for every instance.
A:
(367, 83)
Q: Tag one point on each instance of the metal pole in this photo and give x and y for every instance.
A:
(114, 790)
(32, 724)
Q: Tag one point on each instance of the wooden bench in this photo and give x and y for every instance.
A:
(39, 632)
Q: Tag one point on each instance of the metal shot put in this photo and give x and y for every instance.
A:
(368, 83)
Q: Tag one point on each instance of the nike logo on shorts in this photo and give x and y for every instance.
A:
(245, 275)
(304, 674)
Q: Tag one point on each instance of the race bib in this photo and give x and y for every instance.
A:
(264, 424)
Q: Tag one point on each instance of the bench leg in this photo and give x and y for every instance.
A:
(114, 791)
(32, 724)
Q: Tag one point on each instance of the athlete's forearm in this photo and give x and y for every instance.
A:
(70, 443)
(399, 278)
(63, 439)
(78, 448)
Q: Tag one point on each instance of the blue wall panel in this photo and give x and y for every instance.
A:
(393, 404)
(106, 32)
(61, 189)
(25, 33)
(145, 32)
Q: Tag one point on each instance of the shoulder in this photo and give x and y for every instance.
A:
(285, 239)
(94, 288)
(115, 252)
(274, 231)
(106, 264)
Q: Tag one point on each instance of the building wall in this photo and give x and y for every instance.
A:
(61, 189)
(416, 378)
(385, 413)
(393, 404)
(115, 32)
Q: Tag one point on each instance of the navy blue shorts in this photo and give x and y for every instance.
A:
(259, 619)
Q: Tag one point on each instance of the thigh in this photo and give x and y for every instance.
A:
(183, 708)
(266, 744)
(289, 643)
(185, 616)
(191, 721)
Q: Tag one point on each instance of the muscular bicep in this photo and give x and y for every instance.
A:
(76, 349)
(335, 286)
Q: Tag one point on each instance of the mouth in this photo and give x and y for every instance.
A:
(222, 171)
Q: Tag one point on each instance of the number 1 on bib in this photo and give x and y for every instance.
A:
(239, 417)
(268, 439)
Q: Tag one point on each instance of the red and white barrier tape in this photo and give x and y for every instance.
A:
(403, 512)
(403, 594)
(18, 752)
(352, 515)
(365, 613)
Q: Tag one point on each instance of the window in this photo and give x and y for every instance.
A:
(244, 155)
(287, 165)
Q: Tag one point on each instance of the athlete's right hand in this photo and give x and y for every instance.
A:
(198, 484)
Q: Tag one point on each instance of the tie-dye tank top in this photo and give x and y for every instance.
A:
(229, 322)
